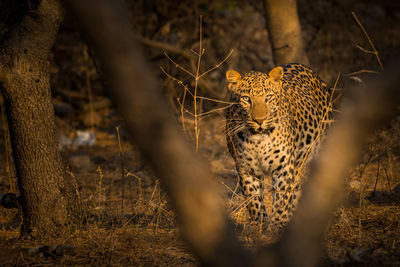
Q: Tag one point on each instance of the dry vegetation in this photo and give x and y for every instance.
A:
(127, 219)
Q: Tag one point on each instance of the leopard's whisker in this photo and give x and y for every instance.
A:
(235, 130)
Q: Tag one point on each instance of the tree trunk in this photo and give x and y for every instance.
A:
(284, 31)
(47, 198)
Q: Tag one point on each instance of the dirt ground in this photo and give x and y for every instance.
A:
(128, 220)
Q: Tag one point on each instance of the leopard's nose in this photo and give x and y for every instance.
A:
(259, 120)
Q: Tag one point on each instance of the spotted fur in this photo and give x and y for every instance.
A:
(274, 128)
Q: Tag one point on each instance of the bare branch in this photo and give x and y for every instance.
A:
(362, 71)
(218, 65)
(375, 52)
(177, 81)
(179, 66)
(163, 46)
(365, 50)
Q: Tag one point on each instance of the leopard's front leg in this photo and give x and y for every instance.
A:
(286, 192)
(253, 191)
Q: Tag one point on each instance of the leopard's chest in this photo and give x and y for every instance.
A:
(259, 153)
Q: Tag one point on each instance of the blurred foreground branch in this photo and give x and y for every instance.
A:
(189, 183)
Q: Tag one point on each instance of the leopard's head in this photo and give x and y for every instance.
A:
(257, 98)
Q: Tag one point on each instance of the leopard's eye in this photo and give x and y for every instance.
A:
(246, 98)
(268, 97)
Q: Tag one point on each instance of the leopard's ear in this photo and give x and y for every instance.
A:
(234, 79)
(276, 74)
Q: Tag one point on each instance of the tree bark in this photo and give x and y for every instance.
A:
(284, 31)
(46, 197)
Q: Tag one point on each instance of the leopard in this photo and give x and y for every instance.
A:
(275, 125)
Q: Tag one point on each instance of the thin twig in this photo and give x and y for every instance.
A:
(365, 50)
(139, 183)
(177, 81)
(377, 175)
(362, 71)
(215, 100)
(336, 99)
(181, 105)
(375, 52)
(100, 172)
(214, 110)
(163, 46)
(121, 159)
(179, 66)
(218, 65)
(232, 191)
(196, 78)
(388, 180)
(196, 130)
